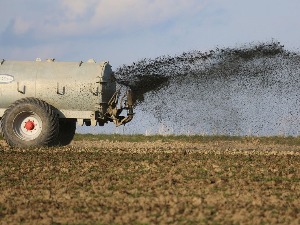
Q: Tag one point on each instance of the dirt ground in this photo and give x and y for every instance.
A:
(104, 182)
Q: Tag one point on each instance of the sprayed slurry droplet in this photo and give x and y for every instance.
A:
(250, 90)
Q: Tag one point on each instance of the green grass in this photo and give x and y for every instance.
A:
(280, 140)
(283, 140)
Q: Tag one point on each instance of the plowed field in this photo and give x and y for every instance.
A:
(151, 182)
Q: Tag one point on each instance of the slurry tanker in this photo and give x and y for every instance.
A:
(41, 101)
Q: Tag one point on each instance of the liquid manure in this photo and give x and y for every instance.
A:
(248, 90)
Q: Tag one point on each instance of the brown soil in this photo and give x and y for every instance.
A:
(102, 182)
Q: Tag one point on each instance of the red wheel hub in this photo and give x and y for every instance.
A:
(29, 125)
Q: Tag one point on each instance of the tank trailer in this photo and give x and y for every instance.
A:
(41, 101)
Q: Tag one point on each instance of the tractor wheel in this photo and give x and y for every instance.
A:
(67, 128)
(30, 122)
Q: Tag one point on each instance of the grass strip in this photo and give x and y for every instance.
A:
(281, 140)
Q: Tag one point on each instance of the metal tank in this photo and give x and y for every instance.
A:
(65, 92)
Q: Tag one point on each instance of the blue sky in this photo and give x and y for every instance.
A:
(124, 31)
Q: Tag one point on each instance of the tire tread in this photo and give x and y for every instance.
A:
(51, 137)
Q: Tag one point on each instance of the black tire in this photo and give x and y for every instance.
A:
(30, 122)
(67, 128)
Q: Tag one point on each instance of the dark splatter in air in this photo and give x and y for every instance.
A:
(250, 90)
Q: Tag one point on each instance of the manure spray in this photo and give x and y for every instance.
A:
(249, 90)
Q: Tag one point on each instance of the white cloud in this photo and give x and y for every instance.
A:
(74, 9)
(82, 18)
(21, 26)
(126, 14)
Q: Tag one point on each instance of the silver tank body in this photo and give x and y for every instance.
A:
(75, 89)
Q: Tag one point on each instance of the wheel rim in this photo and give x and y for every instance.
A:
(27, 126)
